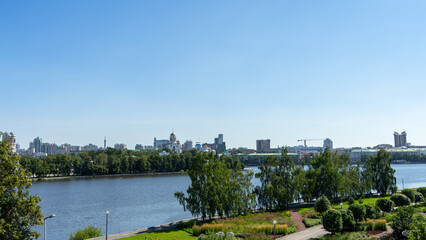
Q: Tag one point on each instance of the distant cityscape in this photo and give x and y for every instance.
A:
(38, 148)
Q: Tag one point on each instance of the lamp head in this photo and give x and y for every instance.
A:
(106, 212)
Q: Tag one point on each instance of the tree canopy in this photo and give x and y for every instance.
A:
(19, 210)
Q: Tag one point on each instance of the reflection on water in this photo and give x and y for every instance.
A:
(136, 202)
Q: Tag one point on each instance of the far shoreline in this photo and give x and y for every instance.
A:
(73, 177)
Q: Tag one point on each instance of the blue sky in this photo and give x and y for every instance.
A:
(76, 71)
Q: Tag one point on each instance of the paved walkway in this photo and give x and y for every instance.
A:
(313, 232)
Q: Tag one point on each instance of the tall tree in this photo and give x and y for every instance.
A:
(19, 210)
(278, 188)
(216, 189)
(381, 174)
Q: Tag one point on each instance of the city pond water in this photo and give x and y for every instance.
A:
(137, 202)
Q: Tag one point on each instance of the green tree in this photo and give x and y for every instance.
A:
(277, 178)
(380, 172)
(88, 232)
(216, 189)
(19, 210)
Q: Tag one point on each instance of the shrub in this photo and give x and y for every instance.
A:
(410, 194)
(332, 221)
(418, 231)
(348, 220)
(400, 200)
(358, 211)
(206, 228)
(88, 232)
(403, 220)
(385, 204)
(310, 213)
(322, 204)
(422, 190)
(419, 197)
(360, 201)
(351, 201)
(183, 225)
(372, 212)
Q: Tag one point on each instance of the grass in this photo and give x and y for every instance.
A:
(366, 201)
(310, 222)
(169, 234)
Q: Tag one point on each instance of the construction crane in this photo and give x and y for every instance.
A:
(304, 141)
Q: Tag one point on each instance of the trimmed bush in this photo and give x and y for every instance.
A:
(419, 197)
(385, 204)
(332, 221)
(322, 204)
(351, 201)
(410, 194)
(400, 199)
(422, 190)
(348, 220)
(358, 211)
(372, 212)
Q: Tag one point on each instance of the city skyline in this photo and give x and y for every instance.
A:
(349, 71)
(314, 143)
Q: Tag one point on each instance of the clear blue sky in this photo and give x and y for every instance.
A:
(76, 71)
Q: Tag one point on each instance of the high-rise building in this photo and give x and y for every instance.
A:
(400, 139)
(138, 147)
(219, 144)
(263, 145)
(12, 140)
(187, 145)
(328, 143)
(160, 143)
(37, 144)
(120, 146)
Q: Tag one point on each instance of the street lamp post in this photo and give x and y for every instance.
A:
(274, 222)
(51, 216)
(106, 229)
(341, 205)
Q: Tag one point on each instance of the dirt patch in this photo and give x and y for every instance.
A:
(298, 219)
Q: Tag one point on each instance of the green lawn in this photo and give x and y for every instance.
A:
(163, 235)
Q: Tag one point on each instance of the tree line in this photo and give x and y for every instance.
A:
(112, 161)
(216, 189)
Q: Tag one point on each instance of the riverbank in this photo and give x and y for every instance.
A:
(53, 178)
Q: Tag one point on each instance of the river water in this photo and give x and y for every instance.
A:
(137, 202)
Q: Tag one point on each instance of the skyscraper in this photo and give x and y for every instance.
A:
(400, 139)
(219, 144)
(263, 145)
(37, 144)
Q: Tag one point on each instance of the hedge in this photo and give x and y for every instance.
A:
(332, 221)
(385, 204)
(400, 199)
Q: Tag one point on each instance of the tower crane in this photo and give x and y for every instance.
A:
(304, 142)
